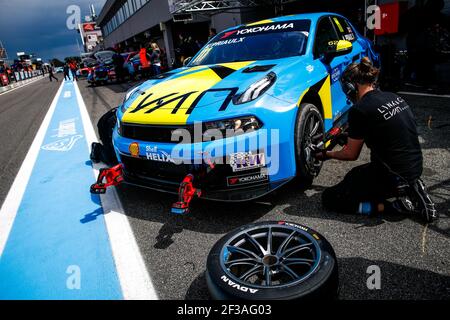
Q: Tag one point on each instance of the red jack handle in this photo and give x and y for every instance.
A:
(112, 176)
(186, 193)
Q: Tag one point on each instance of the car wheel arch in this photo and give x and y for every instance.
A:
(313, 98)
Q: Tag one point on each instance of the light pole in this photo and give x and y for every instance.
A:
(78, 45)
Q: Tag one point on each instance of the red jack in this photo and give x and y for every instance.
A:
(186, 193)
(113, 177)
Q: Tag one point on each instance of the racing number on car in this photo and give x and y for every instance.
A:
(172, 97)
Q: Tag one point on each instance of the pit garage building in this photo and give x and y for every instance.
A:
(128, 23)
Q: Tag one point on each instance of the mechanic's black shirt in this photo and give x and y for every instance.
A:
(386, 123)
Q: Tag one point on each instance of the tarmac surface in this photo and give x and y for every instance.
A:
(414, 258)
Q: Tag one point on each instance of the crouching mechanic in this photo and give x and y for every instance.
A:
(386, 124)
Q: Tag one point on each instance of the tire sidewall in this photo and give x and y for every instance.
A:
(302, 171)
(322, 283)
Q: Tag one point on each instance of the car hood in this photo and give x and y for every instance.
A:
(174, 97)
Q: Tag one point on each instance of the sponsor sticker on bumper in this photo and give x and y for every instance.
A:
(247, 179)
(242, 161)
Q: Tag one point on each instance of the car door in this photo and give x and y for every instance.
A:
(326, 33)
(339, 64)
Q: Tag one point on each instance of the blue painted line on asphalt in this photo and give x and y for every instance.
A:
(59, 227)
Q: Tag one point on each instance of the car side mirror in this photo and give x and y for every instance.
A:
(337, 48)
(186, 61)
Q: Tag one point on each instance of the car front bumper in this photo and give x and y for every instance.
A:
(156, 167)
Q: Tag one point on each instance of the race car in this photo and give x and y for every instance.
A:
(238, 119)
(86, 67)
(103, 71)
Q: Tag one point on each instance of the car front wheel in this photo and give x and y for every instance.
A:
(309, 129)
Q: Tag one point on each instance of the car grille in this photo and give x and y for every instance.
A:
(172, 174)
(167, 171)
(153, 133)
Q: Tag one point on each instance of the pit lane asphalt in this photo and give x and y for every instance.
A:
(414, 258)
(21, 113)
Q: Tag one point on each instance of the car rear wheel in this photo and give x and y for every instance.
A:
(271, 261)
(309, 129)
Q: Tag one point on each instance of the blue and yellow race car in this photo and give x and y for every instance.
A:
(235, 122)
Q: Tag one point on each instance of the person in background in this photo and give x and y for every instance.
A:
(51, 75)
(131, 71)
(118, 63)
(155, 59)
(192, 47)
(145, 64)
(212, 33)
(73, 69)
(66, 70)
(10, 73)
(183, 49)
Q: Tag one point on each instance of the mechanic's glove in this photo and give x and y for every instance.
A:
(342, 139)
(321, 154)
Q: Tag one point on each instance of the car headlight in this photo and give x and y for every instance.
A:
(256, 89)
(119, 127)
(131, 94)
(231, 127)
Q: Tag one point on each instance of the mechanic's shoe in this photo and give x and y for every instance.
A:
(96, 152)
(402, 205)
(424, 205)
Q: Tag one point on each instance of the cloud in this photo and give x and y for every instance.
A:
(40, 26)
(62, 51)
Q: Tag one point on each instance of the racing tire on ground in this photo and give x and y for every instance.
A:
(297, 263)
(309, 128)
(104, 152)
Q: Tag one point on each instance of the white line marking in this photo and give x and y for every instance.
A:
(22, 85)
(424, 94)
(424, 238)
(12, 202)
(133, 276)
(67, 94)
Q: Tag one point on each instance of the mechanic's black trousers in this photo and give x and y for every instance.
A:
(365, 183)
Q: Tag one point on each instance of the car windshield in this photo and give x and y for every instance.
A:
(257, 42)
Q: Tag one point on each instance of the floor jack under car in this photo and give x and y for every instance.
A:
(113, 176)
(186, 193)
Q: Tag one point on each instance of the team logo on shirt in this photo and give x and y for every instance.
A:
(390, 109)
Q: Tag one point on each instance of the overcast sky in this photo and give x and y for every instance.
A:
(39, 26)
